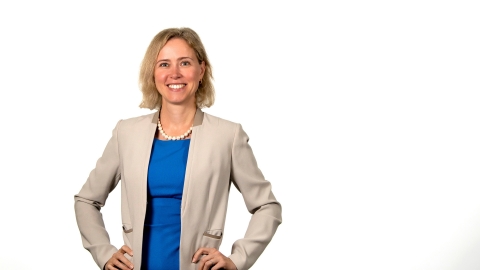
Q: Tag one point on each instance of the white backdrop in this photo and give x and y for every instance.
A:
(364, 115)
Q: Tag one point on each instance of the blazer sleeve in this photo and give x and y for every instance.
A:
(92, 196)
(260, 202)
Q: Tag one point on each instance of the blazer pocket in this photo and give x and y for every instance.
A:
(127, 234)
(212, 238)
(127, 228)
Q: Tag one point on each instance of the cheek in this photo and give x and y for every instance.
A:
(158, 76)
(195, 76)
(159, 79)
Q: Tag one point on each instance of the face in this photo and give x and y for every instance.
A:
(178, 73)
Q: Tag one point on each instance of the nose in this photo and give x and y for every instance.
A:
(175, 72)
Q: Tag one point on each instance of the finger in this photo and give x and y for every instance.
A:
(196, 255)
(207, 262)
(201, 251)
(112, 266)
(218, 266)
(210, 263)
(118, 265)
(122, 261)
(202, 262)
(127, 250)
(222, 264)
(119, 261)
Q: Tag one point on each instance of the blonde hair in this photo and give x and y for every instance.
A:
(204, 96)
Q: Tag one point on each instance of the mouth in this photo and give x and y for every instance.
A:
(176, 86)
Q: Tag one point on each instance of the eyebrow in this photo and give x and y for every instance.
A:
(179, 59)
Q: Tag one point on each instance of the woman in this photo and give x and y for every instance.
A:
(176, 167)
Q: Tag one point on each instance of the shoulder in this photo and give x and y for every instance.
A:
(135, 126)
(212, 119)
(219, 129)
(218, 122)
(142, 119)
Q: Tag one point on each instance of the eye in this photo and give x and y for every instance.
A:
(185, 63)
(163, 65)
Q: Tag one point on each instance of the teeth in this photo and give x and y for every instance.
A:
(176, 86)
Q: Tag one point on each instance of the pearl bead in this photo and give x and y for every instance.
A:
(174, 138)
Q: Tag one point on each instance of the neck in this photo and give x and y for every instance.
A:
(177, 116)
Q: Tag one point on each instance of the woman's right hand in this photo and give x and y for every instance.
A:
(119, 261)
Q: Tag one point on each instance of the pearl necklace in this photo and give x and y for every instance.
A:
(170, 138)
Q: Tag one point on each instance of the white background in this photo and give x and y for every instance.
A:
(364, 115)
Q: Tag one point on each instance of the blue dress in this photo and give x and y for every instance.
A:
(161, 233)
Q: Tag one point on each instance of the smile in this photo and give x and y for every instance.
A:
(176, 86)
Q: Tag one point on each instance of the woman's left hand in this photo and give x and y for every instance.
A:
(212, 259)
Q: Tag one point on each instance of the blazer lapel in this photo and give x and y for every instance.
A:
(197, 124)
(146, 132)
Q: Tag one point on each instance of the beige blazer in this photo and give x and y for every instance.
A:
(219, 155)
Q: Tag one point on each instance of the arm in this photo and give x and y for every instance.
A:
(88, 202)
(260, 202)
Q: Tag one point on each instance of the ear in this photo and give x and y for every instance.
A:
(202, 69)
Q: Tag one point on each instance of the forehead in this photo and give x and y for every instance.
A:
(175, 48)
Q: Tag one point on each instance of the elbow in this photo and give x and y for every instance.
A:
(272, 209)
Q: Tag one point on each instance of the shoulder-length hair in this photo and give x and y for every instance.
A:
(204, 96)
